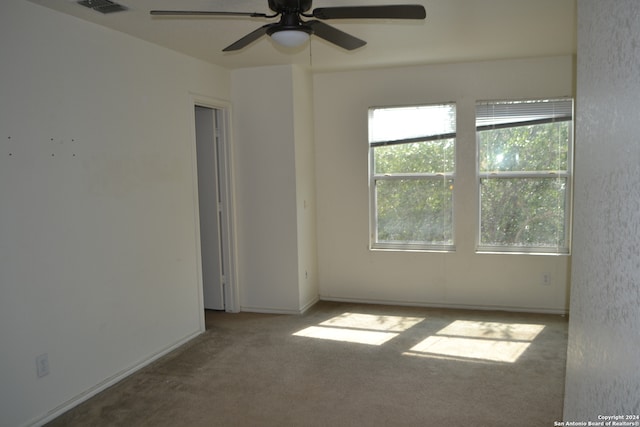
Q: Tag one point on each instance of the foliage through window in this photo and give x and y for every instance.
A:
(411, 170)
(524, 173)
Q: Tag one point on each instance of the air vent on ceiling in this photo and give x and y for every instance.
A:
(103, 6)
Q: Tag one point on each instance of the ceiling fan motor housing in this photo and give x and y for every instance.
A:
(285, 6)
(290, 21)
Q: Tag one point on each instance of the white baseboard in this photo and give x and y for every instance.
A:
(82, 397)
(269, 310)
(276, 310)
(540, 310)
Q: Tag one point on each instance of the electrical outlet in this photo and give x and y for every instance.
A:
(42, 365)
(546, 279)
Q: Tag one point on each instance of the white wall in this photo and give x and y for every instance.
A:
(348, 270)
(270, 149)
(603, 367)
(98, 244)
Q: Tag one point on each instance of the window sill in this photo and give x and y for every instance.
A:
(409, 248)
(533, 252)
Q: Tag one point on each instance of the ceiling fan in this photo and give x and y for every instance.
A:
(292, 31)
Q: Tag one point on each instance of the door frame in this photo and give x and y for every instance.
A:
(227, 227)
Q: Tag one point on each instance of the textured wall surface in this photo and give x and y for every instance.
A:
(603, 366)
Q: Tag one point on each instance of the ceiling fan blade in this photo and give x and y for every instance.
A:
(335, 36)
(400, 11)
(207, 13)
(249, 38)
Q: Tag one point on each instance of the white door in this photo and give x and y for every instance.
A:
(207, 148)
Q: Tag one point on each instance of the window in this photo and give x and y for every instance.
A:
(411, 175)
(524, 174)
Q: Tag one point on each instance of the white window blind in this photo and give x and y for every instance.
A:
(494, 115)
(402, 125)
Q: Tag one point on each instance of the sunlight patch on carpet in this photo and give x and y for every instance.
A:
(373, 322)
(348, 335)
(468, 348)
(360, 328)
(482, 341)
(494, 330)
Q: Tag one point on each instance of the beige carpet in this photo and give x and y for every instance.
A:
(349, 365)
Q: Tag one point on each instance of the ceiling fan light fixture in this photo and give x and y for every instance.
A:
(290, 38)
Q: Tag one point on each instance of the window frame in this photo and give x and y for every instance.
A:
(373, 178)
(565, 174)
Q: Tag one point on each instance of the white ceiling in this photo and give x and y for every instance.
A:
(454, 31)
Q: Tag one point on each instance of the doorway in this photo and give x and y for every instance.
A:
(214, 209)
